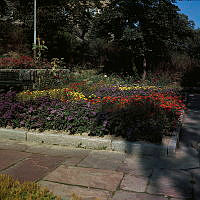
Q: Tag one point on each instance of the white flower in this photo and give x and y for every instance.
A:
(105, 76)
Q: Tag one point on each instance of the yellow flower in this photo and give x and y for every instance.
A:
(137, 87)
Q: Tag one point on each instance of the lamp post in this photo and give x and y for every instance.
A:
(35, 30)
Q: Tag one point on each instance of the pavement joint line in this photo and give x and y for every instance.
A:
(149, 180)
(118, 187)
(82, 159)
(48, 172)
(26, 133)
(14, 164)
(82, 186)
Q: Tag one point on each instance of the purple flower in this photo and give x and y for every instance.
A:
(69, 127)
(30, 109)
(22, 123)
(94, 113)
(7, 115)
(105, 123)
(53, 111)
(69, 118)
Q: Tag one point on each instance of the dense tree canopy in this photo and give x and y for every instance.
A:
(145, 33)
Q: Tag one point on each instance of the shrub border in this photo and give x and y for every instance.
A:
(167, 148)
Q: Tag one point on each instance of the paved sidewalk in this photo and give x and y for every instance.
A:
(110, 175)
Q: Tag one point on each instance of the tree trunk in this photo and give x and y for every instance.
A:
(144, 69)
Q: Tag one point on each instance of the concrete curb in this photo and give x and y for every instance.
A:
(139, 148)
(174, 142)
(12, 134)
(69, 140)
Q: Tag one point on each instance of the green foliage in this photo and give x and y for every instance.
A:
(51, 79)
(92, 79)
(13, 190)
(148, 122)
(13, 38)
(191, 77)
(57, 63)
(117, 35)
(39, 48)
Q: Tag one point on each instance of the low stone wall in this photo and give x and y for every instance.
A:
(35, 75)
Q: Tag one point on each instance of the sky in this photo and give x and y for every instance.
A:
(191, 8)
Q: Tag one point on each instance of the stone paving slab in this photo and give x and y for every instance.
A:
(54, 150)
(137, 172)
(124, 195)
(73, 159)
(66, 191)
(143, 163)
(88, 177)
(12, 145)
(135, 163)
(134, 183)
(171, 183)
(197, 190)
(196, 179)
(10, 157)
(103, 160)
(34, 168)
(72, 156)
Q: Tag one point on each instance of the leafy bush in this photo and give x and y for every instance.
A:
(91, 81)
(13, 190)
(18, 62)
(22, 62)
(191, 78)
(137, 120)
(45, 113)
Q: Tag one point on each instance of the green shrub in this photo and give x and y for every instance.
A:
(142, 121)
(13, 190)
(191, 78)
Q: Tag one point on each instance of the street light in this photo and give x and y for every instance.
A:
(35, 31)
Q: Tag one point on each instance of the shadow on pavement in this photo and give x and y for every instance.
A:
(176, 177)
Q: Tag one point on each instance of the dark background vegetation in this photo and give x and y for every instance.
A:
(124, 36)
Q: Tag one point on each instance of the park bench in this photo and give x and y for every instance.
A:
(11, 80)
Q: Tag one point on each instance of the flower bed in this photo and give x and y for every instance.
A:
(23, 62)
(133, 113)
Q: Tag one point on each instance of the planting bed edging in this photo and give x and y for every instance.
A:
(167, 148)
(174, 140)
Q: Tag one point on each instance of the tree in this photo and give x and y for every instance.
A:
(151, 29)
(7, 10)
(148, 31)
